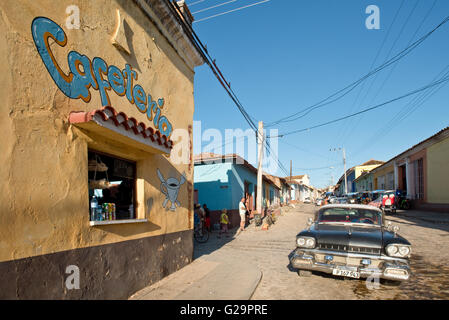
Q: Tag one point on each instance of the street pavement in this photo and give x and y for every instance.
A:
(255, 265)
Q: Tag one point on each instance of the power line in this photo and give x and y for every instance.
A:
(393, 122)
(346, 125)
(237, 9)
(217, 72)
(196, 2)
(320, 168)
(215, 6)
(210, 62)
(442, 80)
(352, 86)
(405, 112)
(304, 150)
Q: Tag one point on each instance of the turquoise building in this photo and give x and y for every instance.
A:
(221, 182)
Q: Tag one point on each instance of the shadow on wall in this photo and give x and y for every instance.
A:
(159, 40)
(130, 58)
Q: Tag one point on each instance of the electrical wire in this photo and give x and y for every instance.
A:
(442, 80)
(342, 132)
(347, 125)
(237, 9)
(352, 125)
(346, 90)
(215, 6)
(405, 112)
(209, 61)
(219, 75)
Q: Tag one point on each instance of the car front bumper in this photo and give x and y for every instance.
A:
(382, 267)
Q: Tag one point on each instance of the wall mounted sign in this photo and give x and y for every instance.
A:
(170, 188)
(85, 74)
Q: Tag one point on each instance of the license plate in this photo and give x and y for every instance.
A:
(346, 273)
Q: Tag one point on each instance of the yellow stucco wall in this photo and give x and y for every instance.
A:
(438, 172)
(360, 169)
(44, 204)
(381, 172)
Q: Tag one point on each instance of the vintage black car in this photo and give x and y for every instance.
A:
(352, 240)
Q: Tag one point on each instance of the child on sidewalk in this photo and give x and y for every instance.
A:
(224, 221)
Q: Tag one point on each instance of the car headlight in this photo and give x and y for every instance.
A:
(398, 250)
(305, 242)
(404, 251)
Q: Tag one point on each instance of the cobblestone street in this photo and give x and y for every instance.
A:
(270, 250)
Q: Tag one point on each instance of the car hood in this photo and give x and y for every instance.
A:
(349, 235)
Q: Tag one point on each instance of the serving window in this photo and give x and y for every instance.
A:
(112, 187)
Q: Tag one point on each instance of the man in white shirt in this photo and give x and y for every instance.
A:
(242, 212)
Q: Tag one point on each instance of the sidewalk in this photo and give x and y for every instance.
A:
(211, 276)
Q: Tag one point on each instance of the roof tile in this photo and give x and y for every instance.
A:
(121, 119)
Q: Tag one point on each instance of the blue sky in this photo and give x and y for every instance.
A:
(284, 55)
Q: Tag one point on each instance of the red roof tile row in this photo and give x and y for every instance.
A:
(121, 119)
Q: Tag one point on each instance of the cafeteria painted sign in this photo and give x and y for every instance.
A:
(85, 74)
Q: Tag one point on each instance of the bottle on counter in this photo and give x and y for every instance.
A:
(104, 212)
(93, 208)
(114, 217)
(99, 212)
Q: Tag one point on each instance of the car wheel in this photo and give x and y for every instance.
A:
(304, 273)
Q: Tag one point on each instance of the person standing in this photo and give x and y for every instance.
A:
(196, 217)
(207, 217)
(224, 221)
(202, 213)
(242, 212)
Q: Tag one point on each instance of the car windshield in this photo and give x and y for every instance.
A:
(350, 215)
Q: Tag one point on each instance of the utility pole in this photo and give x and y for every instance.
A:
(290, 181)
(332, 176)
(290, 170)
(260, 138)
(344, 162)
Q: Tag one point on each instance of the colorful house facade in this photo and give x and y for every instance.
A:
(300, 188)
(422, 171)
(364, 182)
(92, 93)
(353, 173)
(220, 181)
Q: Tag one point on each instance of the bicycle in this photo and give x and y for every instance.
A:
(201, 234)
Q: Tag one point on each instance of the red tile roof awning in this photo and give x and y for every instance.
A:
(111, 124)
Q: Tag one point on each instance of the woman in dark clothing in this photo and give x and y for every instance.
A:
(207, 220)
